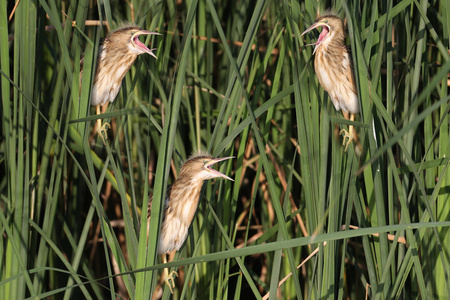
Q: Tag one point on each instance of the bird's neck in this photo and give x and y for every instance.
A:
(186, 191)
(333, 42)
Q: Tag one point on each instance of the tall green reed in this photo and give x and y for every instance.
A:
(232, 78)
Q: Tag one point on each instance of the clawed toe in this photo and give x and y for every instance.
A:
(170, 280)
(102, 131)
(346, 135)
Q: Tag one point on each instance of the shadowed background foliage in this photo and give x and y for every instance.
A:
(232, 78)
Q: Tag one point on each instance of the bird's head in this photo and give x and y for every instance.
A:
(129, 37)
(332, 31)
(199, 168)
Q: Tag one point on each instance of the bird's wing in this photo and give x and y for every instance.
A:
(350, 71)
(169, 190)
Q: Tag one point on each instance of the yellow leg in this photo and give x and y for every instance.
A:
(102, 128)
(348, 134)
(169, 278)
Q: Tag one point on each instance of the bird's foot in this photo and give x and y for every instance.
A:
(170, 280)
(102, 131)
(346, 135)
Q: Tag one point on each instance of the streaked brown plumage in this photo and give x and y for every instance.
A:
(181, 204)
(334, 69)
(116, 55)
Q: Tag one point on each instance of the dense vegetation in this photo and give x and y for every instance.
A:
(232, 78)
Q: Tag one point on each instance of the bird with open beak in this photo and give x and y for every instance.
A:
(180, 205)
(334, 69)
(116, 54)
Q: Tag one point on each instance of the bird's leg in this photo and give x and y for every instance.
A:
(347, 134)
(102, 128)
(169, 278)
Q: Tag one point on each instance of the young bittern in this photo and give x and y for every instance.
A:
(181, 204)
(334, 69)
(116, 55)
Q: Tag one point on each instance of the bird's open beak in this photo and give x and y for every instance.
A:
(140, 45)
(215, 172)
(323, 34)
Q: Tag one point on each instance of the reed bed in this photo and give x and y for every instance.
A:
(233, 78)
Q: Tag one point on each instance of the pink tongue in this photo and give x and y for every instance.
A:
(140, 44)
(322, 34)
